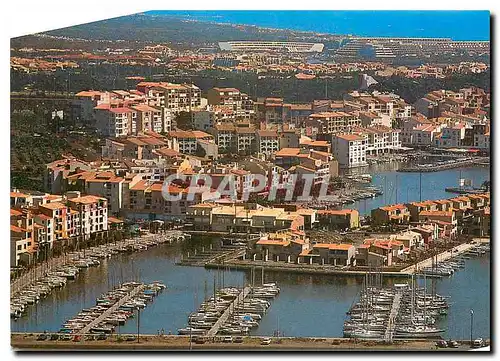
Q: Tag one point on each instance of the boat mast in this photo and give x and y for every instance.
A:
(205, 296)
(367, 299)
(253, 277)
(396, 188)
(385, 189)
(214, 291)
(425, 298)
(223, 272)
(412, 297)
(420, 186)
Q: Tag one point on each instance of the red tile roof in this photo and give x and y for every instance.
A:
(53, 205)
(87, 199)
(334, 246)
(18, 195)
(272, 242)
(15, 213)
(17, 229)
(120, 110)
(349, 137)
(267, 133)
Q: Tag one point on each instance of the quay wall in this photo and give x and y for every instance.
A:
(438, 168)
(304, 269)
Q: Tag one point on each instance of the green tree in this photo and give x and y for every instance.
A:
(183, 120)
(200, 151)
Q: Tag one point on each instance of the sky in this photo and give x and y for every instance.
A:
(457, 25)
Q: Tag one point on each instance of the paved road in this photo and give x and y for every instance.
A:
(174, 342)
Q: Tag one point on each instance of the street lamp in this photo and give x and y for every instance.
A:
(471, 324)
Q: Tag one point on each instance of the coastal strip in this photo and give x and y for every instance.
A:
(27, 342)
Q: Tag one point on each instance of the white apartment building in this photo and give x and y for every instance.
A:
(450, 137)
(422, 135)
(186, 142)
(73, 223)
(335, 122)
(225, 135)
(375, 102)
(82, 107)
(267, 142)
(370, 119)
(108, 186)
(246, 139)
(380, 139)
(47, 223)
(148, 119)
(114, 122)
(175, 97)
(350, 149)
(167, 117)
(93, 212)
(404, 111)
(20, 243)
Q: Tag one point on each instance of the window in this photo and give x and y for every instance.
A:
(19, 248)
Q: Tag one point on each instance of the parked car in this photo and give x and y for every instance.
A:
(199, 340)
(54, 337)
(266, 341)
(442, 344)
(227, 339)
(452, 344)
(41, 337)
(89, 338)
(238, 339)
(101, 336)
(478, 342)
(130, 338)
(66, 337)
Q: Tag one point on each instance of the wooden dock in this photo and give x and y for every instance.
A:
(392, 316)
(110, 310)
(228, 312)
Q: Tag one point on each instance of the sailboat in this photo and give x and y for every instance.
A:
(465, 187)
(419, 326)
